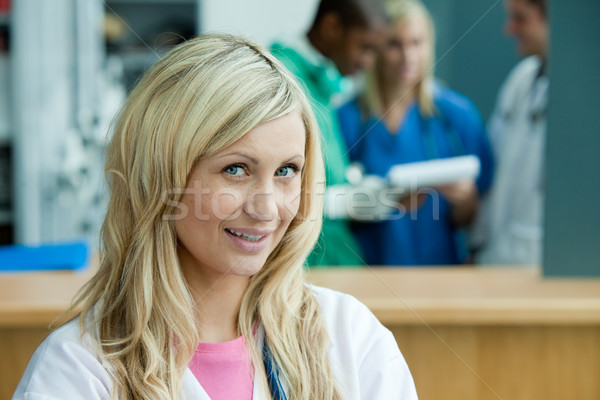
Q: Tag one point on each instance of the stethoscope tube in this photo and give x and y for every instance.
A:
(457, 147)
(272, 372)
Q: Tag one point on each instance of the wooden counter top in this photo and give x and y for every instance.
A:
(35, 299)
(407, 296)
(468, 295)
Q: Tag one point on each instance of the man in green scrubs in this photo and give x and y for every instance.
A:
(342, 41)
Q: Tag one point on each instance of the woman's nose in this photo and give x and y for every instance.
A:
(261, 203)
(408, 54)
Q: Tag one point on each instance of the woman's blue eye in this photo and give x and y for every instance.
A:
(287, 171)
(234, 170)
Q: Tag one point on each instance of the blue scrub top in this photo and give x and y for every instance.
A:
(426, 236)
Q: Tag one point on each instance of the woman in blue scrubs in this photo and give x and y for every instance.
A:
(405, 116)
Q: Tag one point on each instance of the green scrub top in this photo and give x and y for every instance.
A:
(337, 245)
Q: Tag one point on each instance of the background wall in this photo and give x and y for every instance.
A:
(473, 53)
(261, 20)
(573, 146)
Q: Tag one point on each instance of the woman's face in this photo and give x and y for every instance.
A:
(238, 203)
(406, 52)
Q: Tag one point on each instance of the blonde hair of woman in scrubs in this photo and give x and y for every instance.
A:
(201, 98)
(410, 21)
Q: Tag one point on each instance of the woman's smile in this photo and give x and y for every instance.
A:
(249, 239)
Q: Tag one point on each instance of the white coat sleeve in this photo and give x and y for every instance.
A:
(64, 368)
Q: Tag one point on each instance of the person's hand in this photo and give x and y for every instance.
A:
(463, 198)
(412, 202)
(458, 192)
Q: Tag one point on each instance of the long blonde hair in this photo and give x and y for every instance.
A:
(200, 98)
(371, 101)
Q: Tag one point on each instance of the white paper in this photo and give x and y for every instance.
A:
(412, 176)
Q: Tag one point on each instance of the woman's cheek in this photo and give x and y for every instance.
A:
(292, 203)
(225, 204)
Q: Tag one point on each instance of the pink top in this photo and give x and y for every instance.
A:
(224, 370)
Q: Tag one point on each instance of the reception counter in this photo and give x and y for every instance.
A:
(466, 333)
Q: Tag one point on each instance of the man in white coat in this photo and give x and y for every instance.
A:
(509, 229)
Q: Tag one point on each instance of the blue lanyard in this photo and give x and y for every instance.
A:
(272, 372)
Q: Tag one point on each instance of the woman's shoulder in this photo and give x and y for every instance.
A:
(348, 320)
(334, 301)
(70, 340)
(451, 101)
(363, 353)
(65, 365)
(459, 111)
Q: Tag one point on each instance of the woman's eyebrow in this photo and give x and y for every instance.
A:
(294, 158)
(238, 154)
(256, 161)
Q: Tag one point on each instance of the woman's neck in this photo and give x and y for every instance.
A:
(218, 300)
(396, 97)
(397, 93)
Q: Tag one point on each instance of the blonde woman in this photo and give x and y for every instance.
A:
(405, 116)
(214, 169)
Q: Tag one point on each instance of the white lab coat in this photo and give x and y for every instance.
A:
(363, 353)
(509, 229)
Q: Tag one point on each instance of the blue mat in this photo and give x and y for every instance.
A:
(63, 256)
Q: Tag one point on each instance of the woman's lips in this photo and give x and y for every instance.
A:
(249, 239)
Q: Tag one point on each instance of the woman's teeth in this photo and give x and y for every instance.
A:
(245, 236)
